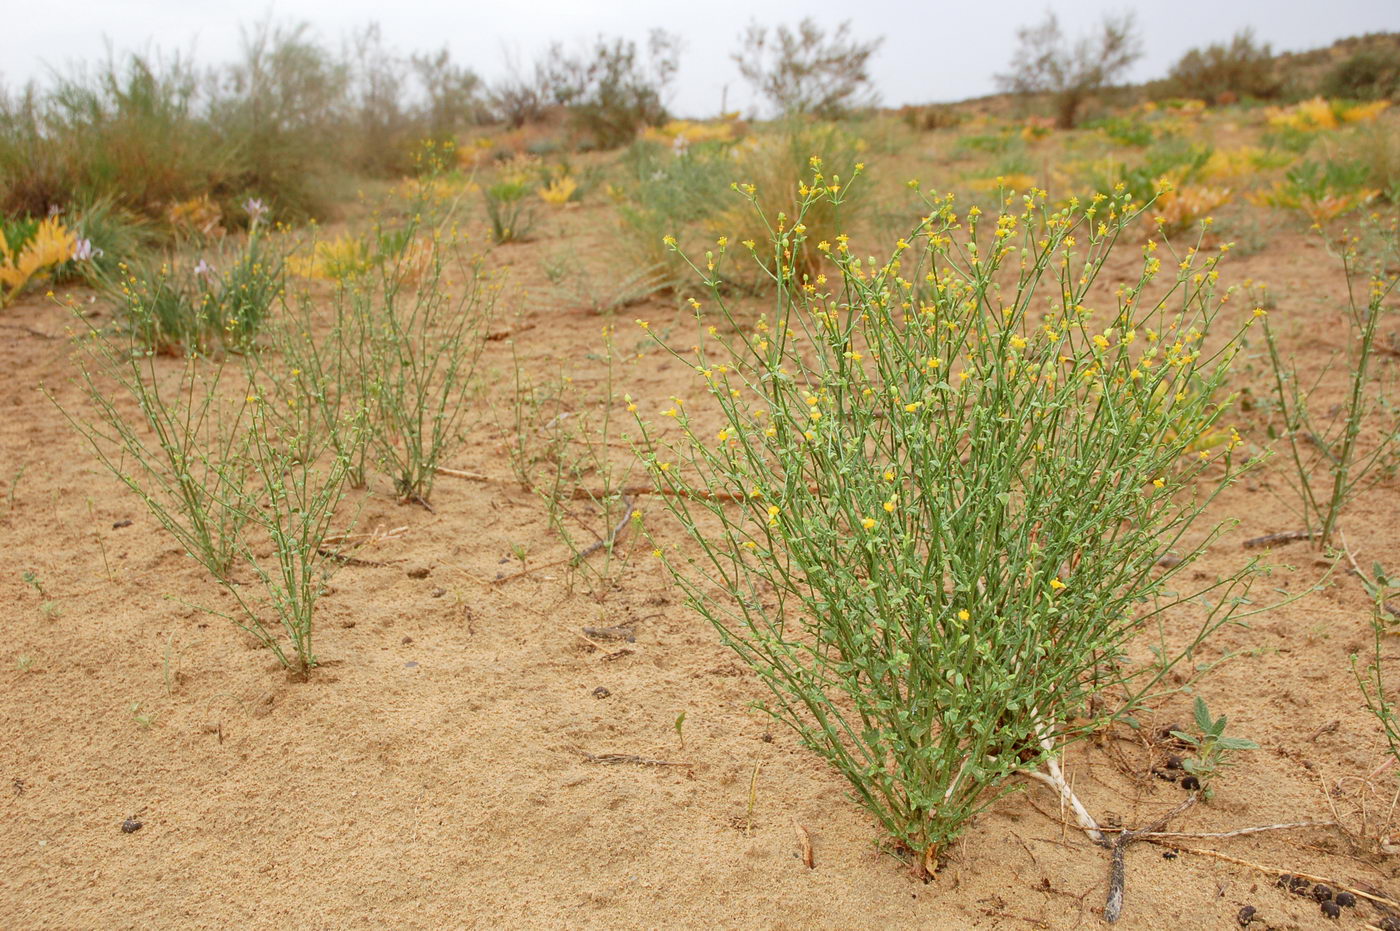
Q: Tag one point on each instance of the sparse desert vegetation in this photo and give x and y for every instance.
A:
(441, 502)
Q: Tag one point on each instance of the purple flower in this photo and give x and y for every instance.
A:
(203, 269)
(83, 251)
(256, 209)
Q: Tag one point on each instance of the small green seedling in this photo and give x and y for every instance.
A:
(680, 723)
(22, 663)
(143, 718)
(32, 580)
(1213, 749)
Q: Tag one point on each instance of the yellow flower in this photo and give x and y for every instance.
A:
(964, 615)
(868, 523)
(1056, 584)
(1158, 483)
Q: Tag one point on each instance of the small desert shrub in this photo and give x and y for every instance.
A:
(403, 345)
(1322, 191)
(777, 170)
(236, 485)
(931, 117)
(1336, 455)
(932, 515)
(670, 191)
(1124, 130)
(128, 128)
(512, 216)
(1377, 150)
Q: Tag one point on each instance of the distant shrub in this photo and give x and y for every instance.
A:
(1222, 71)
(1368, 74)
(931, 117)
(611, 90)
(1047, 62)
(807, 71)
(129, 127)
(146, 132)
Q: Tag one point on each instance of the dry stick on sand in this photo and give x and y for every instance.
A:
(614, 759)
(1288, 536)
(804, 841)
(1113, 906)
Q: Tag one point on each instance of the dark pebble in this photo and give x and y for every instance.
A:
(131, 826)
(1345, 900)
(420, 573)
(601, 692)
(406, 641)
(1190, 783)
(1245, 916)
(1298, 885)
(1389, 923)
(1331, 909)
(1173, 762)
(1322, 893)
(1284, 881)
(120, 524)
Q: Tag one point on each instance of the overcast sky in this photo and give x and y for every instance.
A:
(935, 50)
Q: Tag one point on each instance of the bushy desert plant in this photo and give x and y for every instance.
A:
(1220, 71)
(929, 494)
(612, 91)
(806, 71)
(1047, 62)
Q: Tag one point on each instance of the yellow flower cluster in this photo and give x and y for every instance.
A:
(1322, 114)
(52, 244)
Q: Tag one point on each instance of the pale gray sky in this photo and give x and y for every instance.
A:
(934, 49)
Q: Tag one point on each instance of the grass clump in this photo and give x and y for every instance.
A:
(217, 301)
(930, 494)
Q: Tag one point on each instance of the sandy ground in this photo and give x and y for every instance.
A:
(440, 770)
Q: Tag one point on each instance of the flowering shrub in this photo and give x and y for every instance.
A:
(1179, 207)
(930, 493)
(48, 245)
(559, 191)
